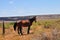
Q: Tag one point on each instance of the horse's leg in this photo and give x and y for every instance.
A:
(18, 31)
(21, 30)
(28, 29)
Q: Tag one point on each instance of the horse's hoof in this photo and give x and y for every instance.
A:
(21, 34)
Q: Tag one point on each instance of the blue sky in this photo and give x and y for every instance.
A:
(29, 7)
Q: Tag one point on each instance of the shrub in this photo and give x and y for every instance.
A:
(47, 25)
(0, 24)
(11, 23)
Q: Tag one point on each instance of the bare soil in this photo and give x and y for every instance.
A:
(10, 34)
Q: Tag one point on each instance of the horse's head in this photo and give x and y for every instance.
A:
(33, 19)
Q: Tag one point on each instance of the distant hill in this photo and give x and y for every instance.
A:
(54, 16)
(15, 18)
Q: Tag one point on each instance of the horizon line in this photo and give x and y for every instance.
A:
(28, 15)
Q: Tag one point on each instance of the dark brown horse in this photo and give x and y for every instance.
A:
(24, 23)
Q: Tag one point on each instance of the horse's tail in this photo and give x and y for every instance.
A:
(15, 26)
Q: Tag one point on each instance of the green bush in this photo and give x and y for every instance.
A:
(11, 23)
(0, 24)
(7, 25)
(38, 23)
(46, 25)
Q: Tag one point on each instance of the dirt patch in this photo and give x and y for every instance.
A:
(10, 34)
(39, 34)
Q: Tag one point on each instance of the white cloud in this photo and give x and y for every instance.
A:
(11, 2)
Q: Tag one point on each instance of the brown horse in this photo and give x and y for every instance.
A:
(24, 23)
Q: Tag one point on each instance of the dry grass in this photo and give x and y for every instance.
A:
(38, 31)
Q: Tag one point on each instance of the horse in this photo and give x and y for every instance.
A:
(24, 23)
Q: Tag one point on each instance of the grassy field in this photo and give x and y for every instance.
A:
(41, 30)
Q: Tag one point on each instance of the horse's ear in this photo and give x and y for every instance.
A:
(35, 19)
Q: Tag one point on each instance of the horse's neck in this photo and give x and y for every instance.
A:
(31, 20)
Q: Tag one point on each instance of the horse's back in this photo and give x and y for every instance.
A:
(25, 21)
